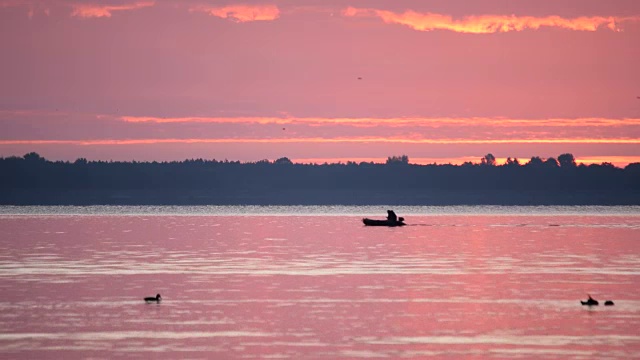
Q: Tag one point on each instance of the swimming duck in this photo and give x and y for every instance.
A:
(157, 298)
(591, 301)
(608, 303)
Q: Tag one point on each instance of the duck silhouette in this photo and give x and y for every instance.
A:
(608, 303)
(156, 299)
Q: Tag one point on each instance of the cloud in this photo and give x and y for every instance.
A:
(240, 13)
(487, 24)
(102, 10)
(14, 3)
(365, 140)
(20, 125)
(395, 122)
(72, 135)
(95, 9)
(32, 6)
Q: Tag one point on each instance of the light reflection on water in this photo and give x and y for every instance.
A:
(316, 286)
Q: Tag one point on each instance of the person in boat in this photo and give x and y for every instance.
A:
(391, 216)
(392, 220)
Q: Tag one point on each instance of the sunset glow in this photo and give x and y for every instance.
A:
(306, 179)
(421, 122)
(241, 13)
(100, 10)
(620, 161)
(324, 140)
(441, 81)
(487, 24)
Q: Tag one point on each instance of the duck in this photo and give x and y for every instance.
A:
(590, 302)
(157, 298)
(608, 303)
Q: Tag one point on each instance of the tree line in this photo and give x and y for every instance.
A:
(32, 179)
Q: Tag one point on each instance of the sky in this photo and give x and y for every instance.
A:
(442, 81)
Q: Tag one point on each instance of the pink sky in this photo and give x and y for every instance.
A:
(441, 80)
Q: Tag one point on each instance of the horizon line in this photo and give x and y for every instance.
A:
(618, 161)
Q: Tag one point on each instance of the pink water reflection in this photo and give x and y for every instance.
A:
(318, 287)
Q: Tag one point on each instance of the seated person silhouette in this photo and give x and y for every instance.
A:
(391, 216)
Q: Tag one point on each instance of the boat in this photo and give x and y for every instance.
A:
(372, 222)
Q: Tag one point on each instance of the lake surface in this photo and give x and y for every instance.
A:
(314, 283)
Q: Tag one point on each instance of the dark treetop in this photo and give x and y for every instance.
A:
(31, 180)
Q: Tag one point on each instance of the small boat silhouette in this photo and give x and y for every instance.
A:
(372, 222)
(392, 220)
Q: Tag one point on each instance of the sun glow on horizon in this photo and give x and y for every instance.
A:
(329, 140)
(442, 82)
(619, 161)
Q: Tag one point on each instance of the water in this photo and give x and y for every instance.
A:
(301, 282)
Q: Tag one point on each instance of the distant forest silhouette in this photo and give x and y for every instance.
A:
(32, 179)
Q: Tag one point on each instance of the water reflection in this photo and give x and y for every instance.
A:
(318, 286)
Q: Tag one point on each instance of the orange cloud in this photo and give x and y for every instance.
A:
(397, 140)
(240, 13)
(84, 10)
(100, 10)
(396, 122)
(192, 119)
(487, 24)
